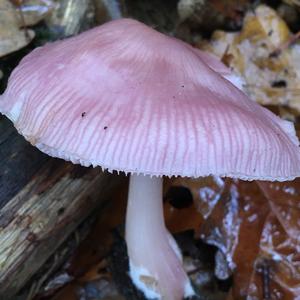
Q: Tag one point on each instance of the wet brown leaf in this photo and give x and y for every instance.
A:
(97, 271)
(255, 225)
(206, 191)
(252, 211)
(280, 239)
(179, 220)
(284, 199)
(68, 293)
(259, 238)
(205, 194)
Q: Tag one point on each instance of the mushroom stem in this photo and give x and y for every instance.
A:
(155, 259)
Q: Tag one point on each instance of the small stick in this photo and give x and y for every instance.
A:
(266, 281)
(264, 269)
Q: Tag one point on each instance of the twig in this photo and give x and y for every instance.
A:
(36, 286)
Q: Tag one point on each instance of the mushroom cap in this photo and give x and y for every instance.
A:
(125, 97)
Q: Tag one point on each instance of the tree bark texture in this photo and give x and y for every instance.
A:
(42, 201)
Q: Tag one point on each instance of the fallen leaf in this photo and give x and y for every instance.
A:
(179, 220)
(262, 53)
(212, 14)
(12, 38)
(254, 225)
(205, 193)
(242, 244)
(284, 201)
(34, 11)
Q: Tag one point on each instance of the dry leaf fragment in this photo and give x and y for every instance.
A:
(12, 38)
(35, 11)
(270, 79)
(212, 14)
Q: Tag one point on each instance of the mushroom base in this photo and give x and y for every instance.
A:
(155, 259)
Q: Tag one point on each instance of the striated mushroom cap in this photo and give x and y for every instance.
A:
(125, 97)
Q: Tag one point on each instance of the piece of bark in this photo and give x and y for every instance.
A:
(42, 201)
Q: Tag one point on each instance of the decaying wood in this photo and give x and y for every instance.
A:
(42, 200)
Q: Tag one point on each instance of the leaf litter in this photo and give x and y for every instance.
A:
(240, 240)
(253, 227)
(265, 54)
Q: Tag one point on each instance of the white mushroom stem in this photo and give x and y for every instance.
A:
(155, 259)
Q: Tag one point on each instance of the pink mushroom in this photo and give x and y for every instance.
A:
(125, 97)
